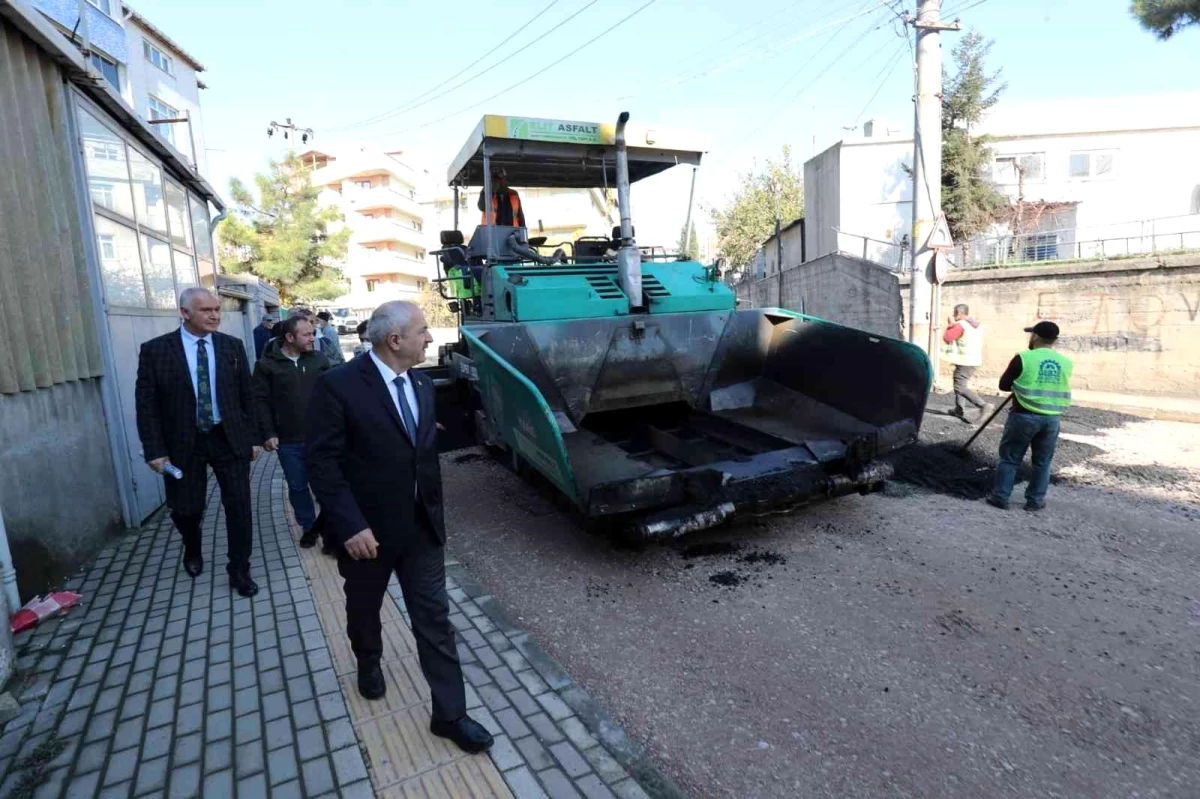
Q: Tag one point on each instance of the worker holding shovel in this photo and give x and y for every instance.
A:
(1040, 381)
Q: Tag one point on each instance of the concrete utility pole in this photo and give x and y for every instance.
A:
(927, 171)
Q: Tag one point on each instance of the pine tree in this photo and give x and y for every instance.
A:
(969, 198)
(1164, 18)
(748, 218)
(283, 237)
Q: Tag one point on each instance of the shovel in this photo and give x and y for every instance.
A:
(983, 426)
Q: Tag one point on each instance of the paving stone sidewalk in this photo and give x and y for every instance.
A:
(159, 685)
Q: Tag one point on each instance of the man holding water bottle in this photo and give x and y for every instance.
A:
(195, 410)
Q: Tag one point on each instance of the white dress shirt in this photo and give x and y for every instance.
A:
(410, 394)
(189, 351)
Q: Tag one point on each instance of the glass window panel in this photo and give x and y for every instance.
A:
(208, 274)
(177, 214)
(108, 68)
(120, 264)
(200, 234)
(107, 166)
(160, 282)
(1104, 164)
(148, 196)
(1080, 165)
(185, 271)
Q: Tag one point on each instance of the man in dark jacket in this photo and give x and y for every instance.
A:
(373, 457)
(263, 334)
(194, 411)
(283, 382)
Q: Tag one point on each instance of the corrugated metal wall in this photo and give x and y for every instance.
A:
(47, 323)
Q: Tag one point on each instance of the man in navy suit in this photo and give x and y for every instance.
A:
(195, 410)
(373, 465)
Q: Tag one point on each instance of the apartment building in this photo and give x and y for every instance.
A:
(150, 71)
(377, 193)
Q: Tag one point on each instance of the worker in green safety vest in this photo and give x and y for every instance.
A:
(1040, 381)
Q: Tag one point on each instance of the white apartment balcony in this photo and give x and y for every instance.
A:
(367, 231)
(356, 199)
(360, 165)
(365, 262)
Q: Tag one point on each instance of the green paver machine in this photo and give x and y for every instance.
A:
(628, 378)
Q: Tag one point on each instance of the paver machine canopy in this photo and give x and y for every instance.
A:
(627, 376)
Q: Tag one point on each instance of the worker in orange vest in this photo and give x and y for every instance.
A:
(506, 204)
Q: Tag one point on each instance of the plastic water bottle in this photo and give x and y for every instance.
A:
(173, 470)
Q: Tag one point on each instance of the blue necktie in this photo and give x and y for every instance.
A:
(204, 403)
(410, 424)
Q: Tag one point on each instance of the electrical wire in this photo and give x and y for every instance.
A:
(418, 101)
(682, 78)
(890, 67)
(964, 8)
(783, 106)
(570, 54)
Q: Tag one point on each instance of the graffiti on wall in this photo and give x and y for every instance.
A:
(1102, 321)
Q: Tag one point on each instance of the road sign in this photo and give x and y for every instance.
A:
(940, 238)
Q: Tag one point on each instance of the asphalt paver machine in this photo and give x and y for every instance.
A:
(627, 377)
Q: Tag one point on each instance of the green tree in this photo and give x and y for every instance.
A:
(1164, 18)
(691, 247)
(283, 236)
(969, 198)
(437, 314)
(748, 218)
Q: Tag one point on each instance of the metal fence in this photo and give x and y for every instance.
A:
(1163, 235)
(894, 255)
(1068, 245)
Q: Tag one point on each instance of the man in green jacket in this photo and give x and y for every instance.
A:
(283, 382)
(1040, 380)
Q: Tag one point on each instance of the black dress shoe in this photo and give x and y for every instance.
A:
(328, 547)
(193, 565)
(469, 734)
(309, 539)
(371, 683)
(243, 584)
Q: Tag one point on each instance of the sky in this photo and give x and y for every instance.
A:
(754, 75)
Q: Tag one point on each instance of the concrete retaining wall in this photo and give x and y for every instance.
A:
(58, 490)
(1131, 326)
(840, 288)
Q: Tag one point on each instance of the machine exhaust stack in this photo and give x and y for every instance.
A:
(629, 259)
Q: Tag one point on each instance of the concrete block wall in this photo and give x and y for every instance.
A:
(840, 288)
(1131, 326)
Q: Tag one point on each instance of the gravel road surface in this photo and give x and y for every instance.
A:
(916, 643)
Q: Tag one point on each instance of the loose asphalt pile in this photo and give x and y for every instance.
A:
(936, 461)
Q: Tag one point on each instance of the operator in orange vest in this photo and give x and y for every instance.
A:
(506, 204)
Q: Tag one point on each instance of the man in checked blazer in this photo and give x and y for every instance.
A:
(195, 410)
(373, 464)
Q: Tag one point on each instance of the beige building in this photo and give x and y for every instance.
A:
(377, 193)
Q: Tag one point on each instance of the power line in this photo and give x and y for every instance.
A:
(414, 106)
(574, 51)
(890, 67)
(964, 8)
(714, 67)
(779, 110)
(405, 104)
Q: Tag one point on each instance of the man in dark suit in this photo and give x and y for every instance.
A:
(195, 410)
(373, 464)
